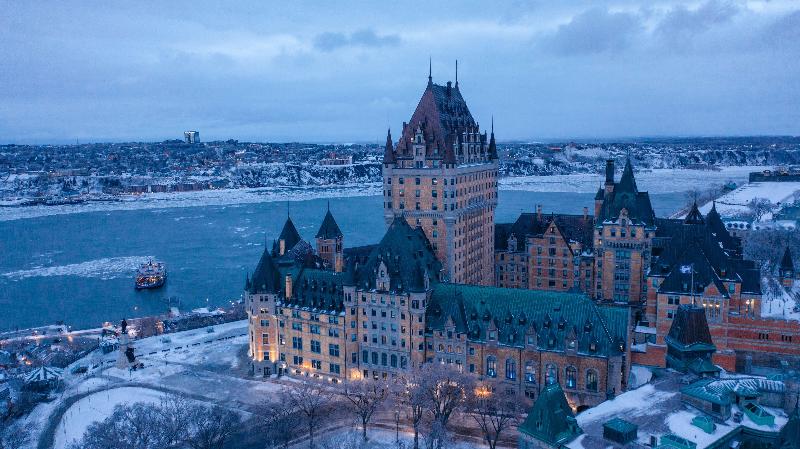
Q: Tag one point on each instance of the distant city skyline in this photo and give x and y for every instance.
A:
(312, 72)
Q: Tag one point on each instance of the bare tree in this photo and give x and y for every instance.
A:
(12, 436)
(365, 398)
(211, 427)
(759, 207)
(494, 412)
(446, 388)
(136, 425)
(281, 422)
(411, 393)
(311, 401)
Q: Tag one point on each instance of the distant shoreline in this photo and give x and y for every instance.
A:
(651, 180)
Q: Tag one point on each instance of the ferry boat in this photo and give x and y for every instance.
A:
(151, 275)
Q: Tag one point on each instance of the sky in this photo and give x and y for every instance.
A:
(346, 71)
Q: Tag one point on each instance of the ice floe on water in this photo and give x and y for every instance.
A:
(654, 181)
(105, 268)
(224, 197)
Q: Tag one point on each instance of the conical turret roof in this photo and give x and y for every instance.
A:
(329, 229)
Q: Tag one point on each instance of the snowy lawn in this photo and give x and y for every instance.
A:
(97, 407)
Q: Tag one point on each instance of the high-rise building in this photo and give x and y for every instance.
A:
(441, 175)
(191, 136)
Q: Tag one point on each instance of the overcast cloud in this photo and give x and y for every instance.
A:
(344, 72)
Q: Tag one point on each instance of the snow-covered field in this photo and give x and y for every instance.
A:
(659, 180)
(97, 407)
(734, 203)
(779, 303)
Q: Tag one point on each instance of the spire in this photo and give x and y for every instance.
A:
(627, 183)
(388, 154)
(694, 216)
(492, 144)
(430, 71)
(329, 229)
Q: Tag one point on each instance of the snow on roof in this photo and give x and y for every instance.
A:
(44, 374)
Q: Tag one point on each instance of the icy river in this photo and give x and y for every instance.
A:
(76, 264)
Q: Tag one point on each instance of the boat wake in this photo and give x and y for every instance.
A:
(105, 268)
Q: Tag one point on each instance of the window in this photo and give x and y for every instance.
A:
(572, 375)
(491, 366)
(551, 375)
(530, 372)
(591, 380)
(511, 369)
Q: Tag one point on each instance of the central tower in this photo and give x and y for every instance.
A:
(442, 177)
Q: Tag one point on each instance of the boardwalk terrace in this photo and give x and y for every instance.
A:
(389, 312)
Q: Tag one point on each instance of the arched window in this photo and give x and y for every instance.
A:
(511, 369)
(572, 377)
(551, 375)
(530, 372)
(591, 380)
(491, 366)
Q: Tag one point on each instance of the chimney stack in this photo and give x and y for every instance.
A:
(288, 286)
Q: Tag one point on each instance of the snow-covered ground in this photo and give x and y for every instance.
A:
(199, 364)
(734, 203)
(777, 302)
(97, 407)
(659, 180)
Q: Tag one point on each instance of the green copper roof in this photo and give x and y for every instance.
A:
(554, 320)
(551, 419)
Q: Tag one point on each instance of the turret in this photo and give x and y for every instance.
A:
(330, 242)
(388, 153)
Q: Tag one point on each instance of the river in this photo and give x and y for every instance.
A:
(78, 267)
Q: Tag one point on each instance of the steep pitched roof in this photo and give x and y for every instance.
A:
(694, 216)
(315, 289)
(627, 196)
(329, 229)
(571, 228)
(551, 419)
(786, 261)
(689, 328)
(289, 234)
(554, 318)
(388, 152)
(443, 116)
(266, 278)
(407, 255)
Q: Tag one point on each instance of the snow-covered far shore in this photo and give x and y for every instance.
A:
(654, 181)
(659, 180)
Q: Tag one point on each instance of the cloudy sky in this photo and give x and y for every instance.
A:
(345, 71)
